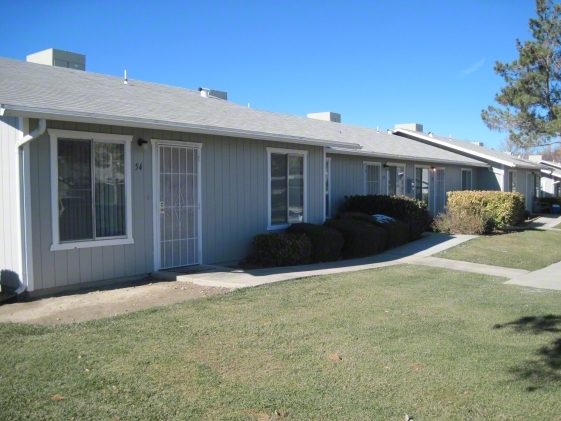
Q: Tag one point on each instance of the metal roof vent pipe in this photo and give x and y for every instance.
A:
(205, 92)
(390, 131)
(431, 134)
(213, 93)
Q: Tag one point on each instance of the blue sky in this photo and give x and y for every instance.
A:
(376, 62)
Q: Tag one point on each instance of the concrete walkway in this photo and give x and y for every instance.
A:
(418, 252)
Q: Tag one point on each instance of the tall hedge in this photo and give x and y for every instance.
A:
(276, 249)
(361, 238)
(326, 242)
(504, 208)
(398, 231)
(413, 212)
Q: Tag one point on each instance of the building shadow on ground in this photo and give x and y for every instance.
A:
(545, 366)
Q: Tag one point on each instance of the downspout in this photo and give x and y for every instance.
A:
(34, 134)
(24, 140)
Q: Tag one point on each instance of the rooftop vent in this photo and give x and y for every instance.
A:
(410, 126)
(212, 93)
(59, 58)
(477, 143)
(535, 158)
(326, 116)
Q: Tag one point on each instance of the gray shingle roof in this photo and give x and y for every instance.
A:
(473, 149)
(63, 93)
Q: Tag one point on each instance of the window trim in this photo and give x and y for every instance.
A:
(281, 151)
(395, 165)
(470, 179)
(96, 137)
(365, 164)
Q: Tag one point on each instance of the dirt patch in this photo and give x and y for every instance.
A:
(98, 303)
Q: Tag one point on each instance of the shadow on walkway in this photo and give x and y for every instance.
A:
(545, 368)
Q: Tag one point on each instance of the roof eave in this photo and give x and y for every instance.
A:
(20, 111)
(457, 148)
(405, 157)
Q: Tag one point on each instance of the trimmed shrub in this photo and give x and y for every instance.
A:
(463, 223)
(361, 238)
(398, 231)
(326, 242)
(411, 211)
(274, 249)
(504, 208)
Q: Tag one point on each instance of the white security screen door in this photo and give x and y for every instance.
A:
(178, 206)
(440, 192)
(529, 191)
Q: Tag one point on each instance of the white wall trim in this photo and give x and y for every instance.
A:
(27, 219)
(281, 151)
(156, 143)
(100, 137)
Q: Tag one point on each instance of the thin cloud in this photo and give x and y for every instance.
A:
(473, 68)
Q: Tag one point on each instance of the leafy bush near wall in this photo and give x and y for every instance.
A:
(398, 231)
(274, 249)
(361, 238)
(504, 208)
(454, 222)
(411, 211)
(326, 242)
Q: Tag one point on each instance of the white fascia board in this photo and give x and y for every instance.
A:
(458, 148)
(551, 173)
(550, 164)
(405, 157)
(18, 111)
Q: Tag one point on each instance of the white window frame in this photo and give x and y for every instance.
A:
(394, 165)
(96, 137)
(468, 170)
(508, 181)
(327, 191)
(365, 165)
(281, 151)
(433, 177)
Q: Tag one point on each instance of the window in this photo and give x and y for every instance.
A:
(396, 180)
(91, 198)
(466, 179)
(422, 184)
(371, 178)
(537, 185)
(327, 187)
(287, 187)
(512, 181)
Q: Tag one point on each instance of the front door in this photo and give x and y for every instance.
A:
(178, 205)
(529, 191)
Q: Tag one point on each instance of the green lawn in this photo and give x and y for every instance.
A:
(530, 250)
(428, 342)
(557, 226)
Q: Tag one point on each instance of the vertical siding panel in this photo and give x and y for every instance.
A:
(119, 258)
(34, 154)
(86, 265)
(108, 262)
(73, 257)
(246, 190)
(130, 259)
(97, 266)
(44, 181)
(146, 202)
(138, 189)
(69, 125)
(82, 127)
(61, 268)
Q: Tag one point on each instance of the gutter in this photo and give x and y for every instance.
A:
(21, 111)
